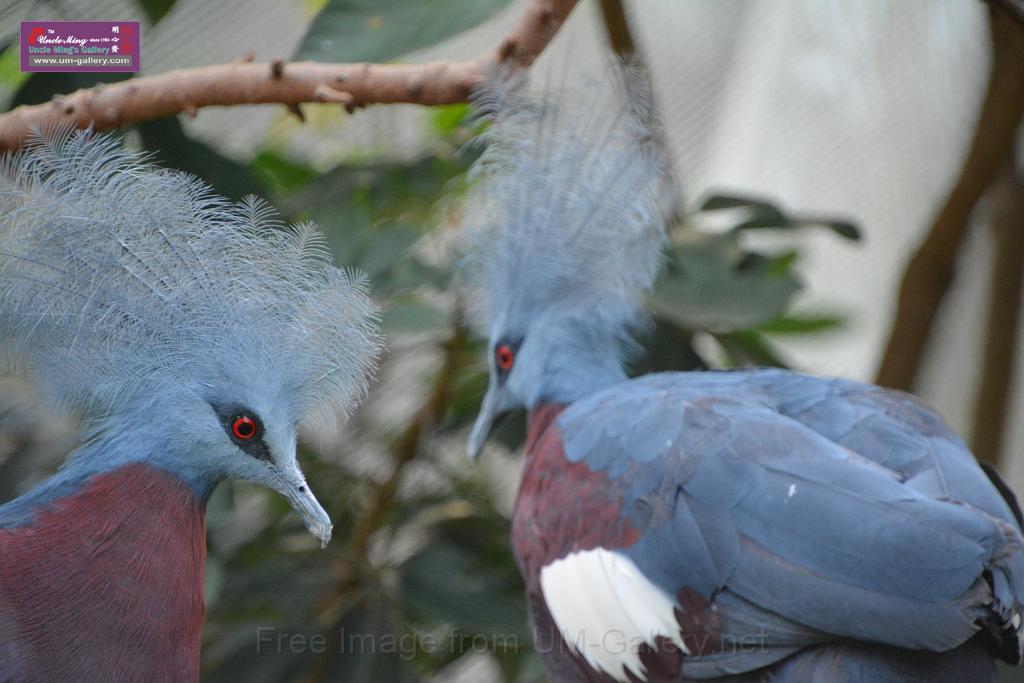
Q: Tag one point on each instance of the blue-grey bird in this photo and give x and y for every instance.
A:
(193, 337)
(757, 525)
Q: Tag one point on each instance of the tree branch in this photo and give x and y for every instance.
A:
(991, 404)
(930, 272)
(105, 107)
(616, 25)
(1014, 7)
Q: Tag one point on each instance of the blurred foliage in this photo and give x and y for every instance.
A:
(759, 213)
(420, 575)
(155, 10)
(379, 30)
(172, 148)
(11, 75)
(719, 286)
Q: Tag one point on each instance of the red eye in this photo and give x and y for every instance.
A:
(504, 357)
(244, 427)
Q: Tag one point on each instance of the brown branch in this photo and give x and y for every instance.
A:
(991, 404)
(930, 271)
(109, 106)
(616, 25)
(1014, 7)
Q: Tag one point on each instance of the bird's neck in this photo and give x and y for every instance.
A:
(538, 421)
(572, 373)
(115, 567)
(106, 455)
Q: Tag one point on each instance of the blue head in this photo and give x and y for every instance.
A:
(564, 228)
(189, 332)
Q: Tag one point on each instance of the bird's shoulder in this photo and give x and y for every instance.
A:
(22, 510)
(643, 420)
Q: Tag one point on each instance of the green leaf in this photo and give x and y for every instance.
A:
(175, 149)
(11, 75)
(368, 193)
(521, 667)
(761, 213)
(760, 221)
(214, 580)
(510, 431)
(796, 324)
(757, 205)
(279, 174)
(372, 213)
(371, 646)
(748, 348)
(381, 30)
(412, 273)
(668, 348)
(386, 247)
(155, 10)
(842, 228)
(781, 264)
(446, 119)
(705, 288)
(446, 583)
(468, 387)
(411, 315)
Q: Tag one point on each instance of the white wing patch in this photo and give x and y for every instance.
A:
(605, 609)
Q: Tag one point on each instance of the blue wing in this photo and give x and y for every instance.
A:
(805, 509)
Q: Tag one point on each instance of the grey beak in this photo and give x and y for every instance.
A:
(292, 485)
(484, 424)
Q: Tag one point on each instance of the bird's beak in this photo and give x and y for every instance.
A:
(484, 425)
(292, 485)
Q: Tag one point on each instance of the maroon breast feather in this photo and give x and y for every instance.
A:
(99, 587)
(565, 507)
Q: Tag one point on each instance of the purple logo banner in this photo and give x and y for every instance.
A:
(80, 46)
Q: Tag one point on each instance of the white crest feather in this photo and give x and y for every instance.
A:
(117, 277)
(567, 206)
